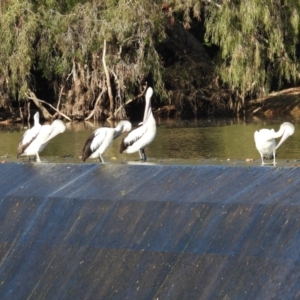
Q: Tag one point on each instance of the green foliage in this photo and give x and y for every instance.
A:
(188, 9)
(258, 41)
(19, 27)
(51, 34)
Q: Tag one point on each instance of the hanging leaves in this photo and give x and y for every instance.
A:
(257, 41)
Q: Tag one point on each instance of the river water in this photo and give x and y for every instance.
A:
(226, 141)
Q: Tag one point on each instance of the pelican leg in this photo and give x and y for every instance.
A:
(274, 160)
(37, 157)
(143, 156)
(262, 159)
(101, 160)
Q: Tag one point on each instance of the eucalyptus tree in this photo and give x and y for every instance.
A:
(19, 26)
(101, 52)
(259, 44)
(92, 52)
(96, 55)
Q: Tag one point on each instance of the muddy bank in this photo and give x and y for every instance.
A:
(286, 102)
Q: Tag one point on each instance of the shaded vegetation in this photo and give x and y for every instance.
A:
(88, 59)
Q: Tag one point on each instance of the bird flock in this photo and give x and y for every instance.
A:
(36, 138)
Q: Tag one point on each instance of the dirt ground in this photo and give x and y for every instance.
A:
(285, 102)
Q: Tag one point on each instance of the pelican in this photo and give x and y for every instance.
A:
(142, 136)
(100, 140)
(36, 138)
(265, 140)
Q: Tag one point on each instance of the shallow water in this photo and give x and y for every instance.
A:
(203, 141)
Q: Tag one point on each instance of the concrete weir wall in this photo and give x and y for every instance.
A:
(90, 231)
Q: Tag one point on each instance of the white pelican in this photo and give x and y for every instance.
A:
(265, 140)
(142, 136)
(100, 140)
(36, 138)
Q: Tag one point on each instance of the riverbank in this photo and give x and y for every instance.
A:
(286, 102)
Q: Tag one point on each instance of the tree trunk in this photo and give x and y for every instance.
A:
(110, 95)
(44, 111)
(36, 101)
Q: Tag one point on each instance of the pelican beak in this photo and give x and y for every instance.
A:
(283, 138)
(52, 135)
(147, 111)
(60, 128)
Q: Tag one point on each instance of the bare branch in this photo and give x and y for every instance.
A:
(97, 101)
(131, 100)
(110, 95)
(47, 115)
(37, 102)
(60, 93)
(74, 73)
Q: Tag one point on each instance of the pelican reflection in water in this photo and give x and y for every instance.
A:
(265, 140)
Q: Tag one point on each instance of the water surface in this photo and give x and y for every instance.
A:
(203, 141)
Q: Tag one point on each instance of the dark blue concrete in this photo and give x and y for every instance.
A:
(90, 231)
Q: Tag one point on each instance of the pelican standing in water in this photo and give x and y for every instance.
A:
(139, 138)
(100, 140)
(36, 138)
(265, 140)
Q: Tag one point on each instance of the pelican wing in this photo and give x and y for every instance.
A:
(99, 138)
(263, 136)
(133, 137)
(265, 143)
(30, 134)
(28, 137)
(93, 143)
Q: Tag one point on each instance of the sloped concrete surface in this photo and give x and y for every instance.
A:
(90, 231)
